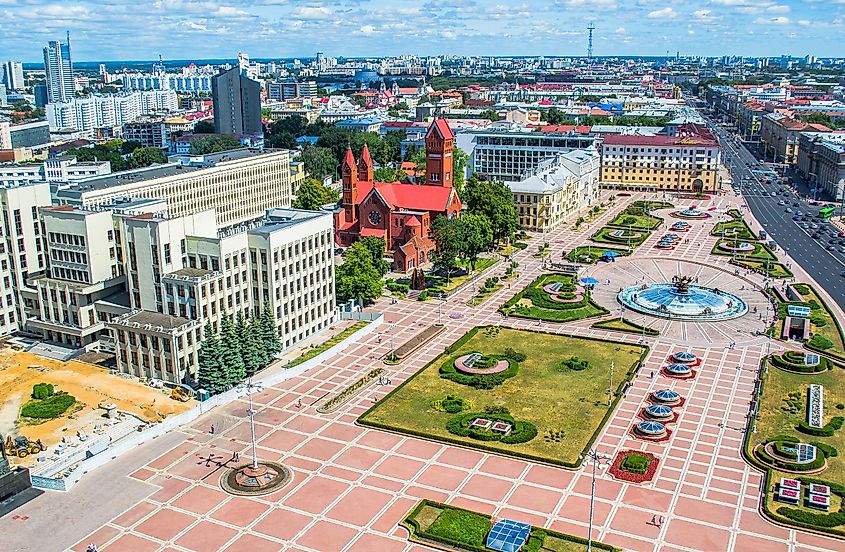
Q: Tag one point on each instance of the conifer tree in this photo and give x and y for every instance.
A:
(233, 363)
(252, 350)
(269, 335)
(211, 375)
(257, 336)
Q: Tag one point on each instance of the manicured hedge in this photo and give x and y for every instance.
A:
(42, 390)
(792, 364)
(51, 407)
(827, 431)
(522, 431)
(771, 461)
(478, 381)
(820, 342)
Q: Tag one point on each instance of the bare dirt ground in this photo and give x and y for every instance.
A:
(91, 385)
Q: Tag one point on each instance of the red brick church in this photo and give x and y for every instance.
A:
(400, 213)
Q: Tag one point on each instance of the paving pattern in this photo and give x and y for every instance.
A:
(352, 485)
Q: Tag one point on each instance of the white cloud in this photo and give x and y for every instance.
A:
(368, 30)
(780, 20)
(313, 12)
(664, 13)
(621, 30)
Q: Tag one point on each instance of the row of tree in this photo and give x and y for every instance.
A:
(242, 348)
(312, 195)
(122, 155)
(360, 275)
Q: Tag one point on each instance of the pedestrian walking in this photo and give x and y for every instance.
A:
(212, 428)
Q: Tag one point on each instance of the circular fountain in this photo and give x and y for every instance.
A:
(691, 213)
(682, 300)
(736, 247)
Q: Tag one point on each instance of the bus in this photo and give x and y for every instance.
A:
(825, 212)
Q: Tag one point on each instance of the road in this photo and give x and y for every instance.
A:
(826, 267)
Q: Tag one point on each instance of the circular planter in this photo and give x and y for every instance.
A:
(246, 480)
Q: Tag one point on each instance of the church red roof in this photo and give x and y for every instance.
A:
(442, 128)
(379, 232)
(349, 159)
(365, 156)
(413, 197)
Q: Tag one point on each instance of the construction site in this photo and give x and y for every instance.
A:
(102, 406)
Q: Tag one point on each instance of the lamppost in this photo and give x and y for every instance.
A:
(597, 458)
(610, 389)
(249, 387)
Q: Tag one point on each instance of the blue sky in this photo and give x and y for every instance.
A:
(193, 29)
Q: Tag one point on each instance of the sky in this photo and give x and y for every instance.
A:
(195, 29)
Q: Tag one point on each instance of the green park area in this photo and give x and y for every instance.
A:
(461, 529)
(766, 267)
(734, 228)
(547, 393)
(591, 254)
(649, 206)
(635, 218)
(568, 302)
(620, 236)
(437, 283)
(827, 332)
(781, 424)
(758, 250)
(626, 326)
(328, 344)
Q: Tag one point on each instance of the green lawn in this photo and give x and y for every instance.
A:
(591, 254)
(634, 238)
(731, 228)
(438, 283)
(822, 322)
(624, 325)
(761, 251)
(651, 205)
(771, 269)
(325, 346)
(484, 294)
(568, 407)
(533, 302)
(626, 219)
(774, 419)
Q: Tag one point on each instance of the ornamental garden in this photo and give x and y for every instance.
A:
(532, 395)
(555, 298)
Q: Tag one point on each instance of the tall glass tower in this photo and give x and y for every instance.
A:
(59, 69)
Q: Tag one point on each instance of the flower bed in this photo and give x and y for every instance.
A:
(622, 467)
(350, 391)
(414, 343)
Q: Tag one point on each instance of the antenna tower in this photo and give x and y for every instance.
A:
(590, 28)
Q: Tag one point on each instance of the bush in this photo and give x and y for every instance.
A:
(514, 356)
(828, 450)
(460, 526)
(813, 519)
(397, 287)
(423, 295)
(478, 381)
(51, 407)
(827, 431)
(636, 463)
(820, 342)
(42, 390)
(574, 363)
(522, 431)
(803, 289)
(819, 320)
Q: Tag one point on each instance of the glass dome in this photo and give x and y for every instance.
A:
(696, 302)
(659, 411)
(666, 396)
(691, 212)
(684, 356)
(678, 368)
(651, 428)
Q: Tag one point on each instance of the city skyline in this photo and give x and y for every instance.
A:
(292, 28)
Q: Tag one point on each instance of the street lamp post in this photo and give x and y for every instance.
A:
(610, 389)
(597, 458)
(250, 388)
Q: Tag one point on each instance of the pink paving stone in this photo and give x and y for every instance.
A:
(577, 508)
(534, 498)
(205, 536)
(239, 511)
(429, 494)
(524, 517)
(173, 455)
(728, 486)
(441, 477)
(326, 536)
(305, 464)
(200, 499)
(305, 424)
(696, 536)
(359, 458)
(134, 514)
(606, 489)
(486, 487)
(394, 513)
(243, 432)
(170, 487)
(282, 524)
(821, 542)
(699, 509)
(753, 522)
(320, 449)
(341, 473)
(496, 465)
(165, 524)
(474, 505)
(626, 542)
(283, 440)
(98, 537)
(131, 543)
(342, 432)
(722, 496)
(757, 544)
(359, 507)
(646, 498)
(635, 521)
(551, 477)
(316, 494)
(569, 528)
(253, 543)
(419, 449)
(459, 457)
(383, 483)
(142, 474)
(369, 542)
(400, 468)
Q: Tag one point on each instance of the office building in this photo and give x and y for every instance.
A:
(59, 71)
(688, 162)
(13, 75)
(237, 103)
(24, 135)
(40, 93)
(239, 184)
(150, 132)
(558, 188)
(779, 135)
(283, 91)
(58, 169)
(821, 160)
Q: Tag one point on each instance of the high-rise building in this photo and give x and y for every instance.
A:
(40, 93)
(13, 75)
(59, 70)
(237, 103)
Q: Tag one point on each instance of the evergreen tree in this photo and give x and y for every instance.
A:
(269, 335)
(252, 350)
(233, 364)
(211, 375)
(257, 336)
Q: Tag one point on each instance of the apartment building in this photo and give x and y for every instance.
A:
(688, 162)
(31, 134)
(779, 135)
(22, 248)
(113, 110)
(238, 184)
(148, 132)
(821, 160)
(59, 169)
(283, 91)
(558, 188)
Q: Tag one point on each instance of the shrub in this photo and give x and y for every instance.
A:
(456, 525)
(827, 431)
(574, 363)
(51, 407)
(828, 450)
(514, 356)
(478, 381)
(636, 463)
(397, 287)
(819, 320)
(42, 390)
(521, 433)
(820, 342)
(814, 305)
(803, 289)
(423, 295)
(833, 519)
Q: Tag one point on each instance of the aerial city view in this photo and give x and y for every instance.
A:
(407, 276)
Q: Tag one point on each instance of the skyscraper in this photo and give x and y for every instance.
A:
(237, 103)
(59, 69)
(13, 75)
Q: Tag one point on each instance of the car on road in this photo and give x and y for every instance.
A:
(841, 234)
(796, 204)
(841, 249)
(816, 236)
(782, 202)
(831, 248)
(814, 226)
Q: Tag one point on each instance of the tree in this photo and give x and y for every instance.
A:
(269, 334)
(319, 162)
(129, 146)
(393, 140)
(476, 235)
(230, 354)
(312, 195)
(446, 233)
(589, 98)
(388, 174)
(204, 127)
(357, 278)
(146, 156)
(494, 200)
(459, 163)
(211, 374)
(252, 350)
(376, 247)
(490, 114)
(213, 143)
(295, 124)
(555, 116)
(281, 141)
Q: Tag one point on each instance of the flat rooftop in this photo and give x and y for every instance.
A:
(280, 218)
(157, 319)
(189, 272)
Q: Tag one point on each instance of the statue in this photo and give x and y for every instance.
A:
(681, 284)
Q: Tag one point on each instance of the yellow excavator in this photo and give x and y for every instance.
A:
(21, 446)
(182, 394)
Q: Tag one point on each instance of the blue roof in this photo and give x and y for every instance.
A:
(684, 355)
(651, 427)
(610, 254)
(798, 311)
(666, 394)
(589, 280)
(658, 410)
(678, 368)
(507, 535)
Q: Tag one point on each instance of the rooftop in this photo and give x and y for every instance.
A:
(280, 218)
(150, 318)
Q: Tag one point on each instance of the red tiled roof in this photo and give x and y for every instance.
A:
(378, 232)
(349, 159)
(365, 156)
(442, 128)
(408, 196)
(397, 124)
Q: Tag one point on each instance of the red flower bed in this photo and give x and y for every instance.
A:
(617, 472)
(633, 433)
